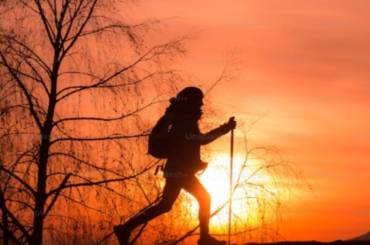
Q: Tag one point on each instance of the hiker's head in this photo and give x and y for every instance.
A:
(188, 103)
(191, 97)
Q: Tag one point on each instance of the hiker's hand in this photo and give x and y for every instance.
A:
(231, 123)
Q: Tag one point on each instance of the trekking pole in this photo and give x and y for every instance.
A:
(231, 182)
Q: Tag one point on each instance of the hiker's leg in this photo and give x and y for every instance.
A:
(194, 187)
(171, 191)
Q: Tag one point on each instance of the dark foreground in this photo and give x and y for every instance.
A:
(315, 243)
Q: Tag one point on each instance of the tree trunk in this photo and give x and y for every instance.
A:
(38, 224)
(4, 219)
(38, 221)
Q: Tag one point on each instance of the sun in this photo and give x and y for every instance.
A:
(216, 181)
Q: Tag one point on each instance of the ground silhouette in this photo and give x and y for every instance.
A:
(338, 242)
(363, 237)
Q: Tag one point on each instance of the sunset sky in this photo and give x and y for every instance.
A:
(303, 69)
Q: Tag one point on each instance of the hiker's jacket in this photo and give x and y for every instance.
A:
(184, 150)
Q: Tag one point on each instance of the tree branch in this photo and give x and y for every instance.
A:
(56, 193)
(91, 165)
(90, 183)
(27, 186)
(71, 21)
(78, 33)
(32, 53)
(24, 89)
(105, 80)
(93, 76)
(107, 119)
(12, 217)
(103, 138)
(7, 233)
(49, 31)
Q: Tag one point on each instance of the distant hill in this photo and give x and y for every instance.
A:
(339, 242)
(363, 237)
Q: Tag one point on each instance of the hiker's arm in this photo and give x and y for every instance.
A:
(217, 132)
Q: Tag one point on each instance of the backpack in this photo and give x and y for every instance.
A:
(158, 143)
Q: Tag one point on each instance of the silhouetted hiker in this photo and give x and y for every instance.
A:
(182, 148)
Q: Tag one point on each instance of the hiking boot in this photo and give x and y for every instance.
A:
(208, 240)
(122, 234)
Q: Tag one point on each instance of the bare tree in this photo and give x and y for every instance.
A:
(263, 180)
(75, 78)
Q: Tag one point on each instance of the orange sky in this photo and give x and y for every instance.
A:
(304, 67)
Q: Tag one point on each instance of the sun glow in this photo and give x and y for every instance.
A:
(216, 181)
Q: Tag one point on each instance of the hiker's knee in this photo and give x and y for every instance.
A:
(165, 206)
